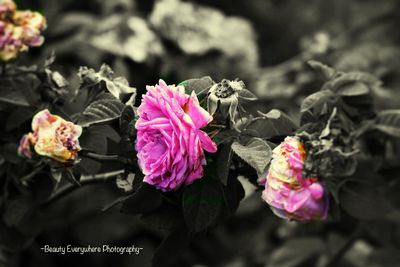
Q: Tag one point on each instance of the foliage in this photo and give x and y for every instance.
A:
(343, 105)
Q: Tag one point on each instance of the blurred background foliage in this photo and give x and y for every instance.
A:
(266, 43)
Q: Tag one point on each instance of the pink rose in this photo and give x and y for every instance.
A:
(52, 137)
(169, 143)
(289, 194)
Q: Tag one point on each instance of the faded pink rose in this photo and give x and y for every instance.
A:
(52, 137)
(6, 8)
(169, 143)
(19, 30)
(289, 194)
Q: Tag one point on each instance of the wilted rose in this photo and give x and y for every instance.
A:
(52, 137)
(169, 143)
(289, 194)
(19, 30)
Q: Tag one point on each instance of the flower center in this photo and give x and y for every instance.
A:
(224, 89)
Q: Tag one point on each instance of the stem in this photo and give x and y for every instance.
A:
(332, 262)
(103, 158)
(7, 76)
(85, 180)
(3, 68)
(27, 177)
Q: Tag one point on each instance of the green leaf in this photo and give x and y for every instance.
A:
(127, 118)
(93, 139)
(224, 159)
(200, 86)
(345, 79)
(12, 96)
(116, 86)
(315, 99)
(202, 203)
(247, 95)
(257, 153)
(101, 111)
(144, 200)
(388, 122)
(297, 252)
(366, 202)
(353, 89)
(233, 194)
(274, 123)
(18, 117)
(326, 71)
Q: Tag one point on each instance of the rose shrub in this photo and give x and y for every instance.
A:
(170, 142)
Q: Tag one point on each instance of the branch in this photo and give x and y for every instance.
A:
(103, 158)
(85, 180)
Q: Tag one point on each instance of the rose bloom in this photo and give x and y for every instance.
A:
(19, 30)
(169, 143)
(52, 137)
(289, 194)
(6, 8)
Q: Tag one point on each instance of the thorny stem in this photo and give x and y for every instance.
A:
(85, 180)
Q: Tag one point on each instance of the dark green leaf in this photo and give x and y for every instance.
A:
(93, 139)
(116, 86)
(128, 117)
(199, 86)
(202, 203)
(18, 117)
(257, 153)
(326, 71)
(12, 96)
(388, 122)
(315, 99)
(247, 95)
(233, 194)
(101, 111)
(353, 89)
(274, 123)
(223, 163)
(365, 202)
(345, 79)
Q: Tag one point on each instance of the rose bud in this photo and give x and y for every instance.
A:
(289, 194)
(169, 143)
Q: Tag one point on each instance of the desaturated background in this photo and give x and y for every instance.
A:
(263, 42)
